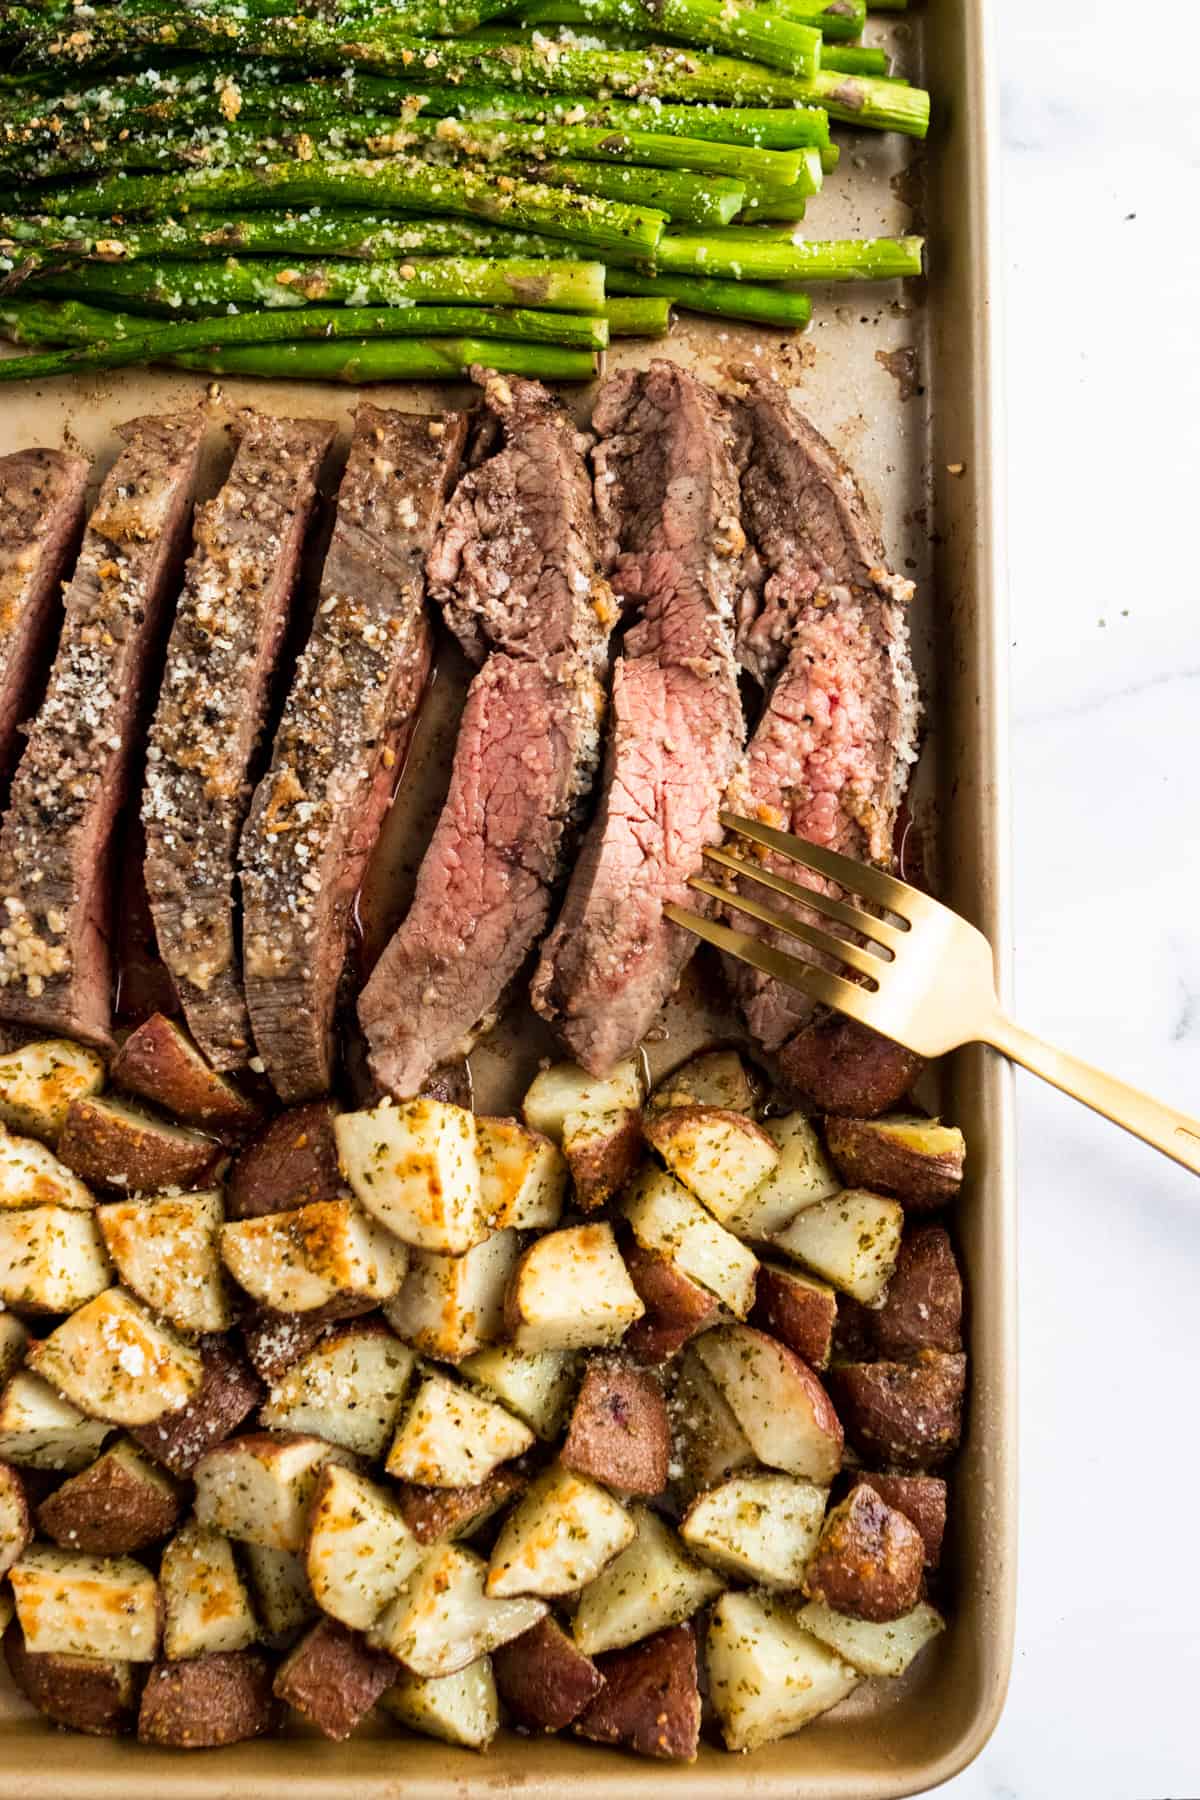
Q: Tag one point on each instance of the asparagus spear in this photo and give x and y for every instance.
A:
(398, 182)
(124, 344)
(748, 251)
(648, 317)
(191, 289)
(695, 199)
(764, 34)
(362, 360)
(856, 59)
(748, 300)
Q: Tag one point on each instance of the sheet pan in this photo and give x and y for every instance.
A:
(905, 384)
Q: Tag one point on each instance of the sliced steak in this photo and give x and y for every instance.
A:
(830, 758)
(70, 785)
(515, 572)
(317, 812)
(228, 629)
(667, 494)
(41, 519)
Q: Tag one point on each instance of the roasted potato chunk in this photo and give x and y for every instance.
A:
(565, 1089)
(676, 1306)
(873, 1649)
(92, 1694)
(206, 1605)
(348, 1389)
(650, 1701)
(41, 1430)
(571, 1290)
(52, 1259)
(258, 1488)
(292, 1161)
(534, 1384)
(707, 1441)
(619, 1431)
(333, 1678)
(114, 1362)
(846, 1069)
(544, 1680)
(719, 1156)
(869, 1561)
(360, 1550)
(653, 1583)
(909, 1414)
(777, 1400)
(31, 1175)
(666, 1219)
(713, 1078)
(451, 1306)
(16, 1520)
(300, 1261)
(797, 1309)
(415, 1168)
(166, 1253)
(283, 1599)
(522, 1176)
(452, 1438)
(759, 1527)
(441, 1515)
(923, 1308)
(767, 1676)
(444, 1620)
(597, 1122)
(852, 1239)
(462, 1708)
(802, 1176)
(112, 1143)
(39, 1081)
(117, 1505)
(229, 1391)
(558, 1537)
(224, 1698)
(77, 1605)
(922, 1500)
(919, 1161)
(160, 1063)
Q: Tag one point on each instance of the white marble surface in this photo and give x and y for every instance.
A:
(1101, 184)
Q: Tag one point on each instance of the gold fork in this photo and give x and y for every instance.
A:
(929, 980)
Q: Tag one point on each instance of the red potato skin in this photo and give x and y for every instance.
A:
(275, 1341)
(676, 1307)
(803, 1318)
(229, 1392)
(906, 1414)
(104, 1150)
(869, 1562)
(222, 1698)
(159, 1063)
(333, 1678)
(108, 1511)
(434, 1514)
(845, 1069)
(291, 1162)
(650, 1702)
(922, 1500)
(619, 1432)
(543, 1680)
(865, 1158)
(600, 1170)
(97, 1698)
(923, 1308)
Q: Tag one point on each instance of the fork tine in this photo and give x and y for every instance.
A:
(864, 923)
(830, 990)
(855, 877)
(824, 941)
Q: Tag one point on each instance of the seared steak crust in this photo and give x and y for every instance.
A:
(831, 756)
(317, 812)
(228, 628)
(666, 491)
(56, 838)
(41, 519)
(515, 572)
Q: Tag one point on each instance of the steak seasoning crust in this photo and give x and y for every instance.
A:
(515, 570)
(667, 493)
(41, 518)
(825, 628)
(228, 629)
(317, 812)
(56, 838)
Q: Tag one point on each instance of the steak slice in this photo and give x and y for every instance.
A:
(229, 626)
(667, 494)
(830, 758)
(70, 785)
(317, 812)
(41, 519)
(515, 572)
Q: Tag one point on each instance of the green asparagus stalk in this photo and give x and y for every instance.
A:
(696, 199)
(767, 128)
(764, 34)
(362, 360)
(124, 345)
(856, 59)
(838, 21)
(398, 182)
(748, 300)
(192, 289)
(744, 252)
(648, 317)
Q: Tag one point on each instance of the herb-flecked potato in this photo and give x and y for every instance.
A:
(333, 1678)
(223, 1698)
(846, 1069)
(869, 1560)
(923, 1307)
(291, 1162)
(619, 1431)
(85, 1693)
(922, 1499)
(909, 1414)
(544, 1681)
(650, 1701)
(919, 1161)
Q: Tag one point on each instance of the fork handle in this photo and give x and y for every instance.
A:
(1174, 1133)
